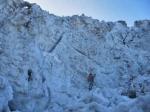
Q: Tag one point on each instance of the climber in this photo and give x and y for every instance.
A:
(90, 80)
(29, 75)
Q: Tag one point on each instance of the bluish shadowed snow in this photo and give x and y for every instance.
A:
(61, 51)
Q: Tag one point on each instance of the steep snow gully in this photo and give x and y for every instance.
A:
(60, 52)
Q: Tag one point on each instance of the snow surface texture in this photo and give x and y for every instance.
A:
(61, 51)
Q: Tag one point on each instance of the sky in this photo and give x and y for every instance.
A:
(108, 10)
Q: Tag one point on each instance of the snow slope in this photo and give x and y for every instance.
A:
(61, 51)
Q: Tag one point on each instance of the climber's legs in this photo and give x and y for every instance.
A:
(90, 86)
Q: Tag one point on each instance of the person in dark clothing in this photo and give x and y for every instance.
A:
(90, 80)
(29, 75)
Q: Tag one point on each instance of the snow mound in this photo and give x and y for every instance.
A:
(139, 105)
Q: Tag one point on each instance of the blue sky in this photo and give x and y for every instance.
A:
(108, 10)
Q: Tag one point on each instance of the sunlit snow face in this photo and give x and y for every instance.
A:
(3, 3)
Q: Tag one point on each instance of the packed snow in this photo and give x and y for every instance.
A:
(61, 52)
